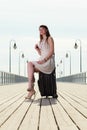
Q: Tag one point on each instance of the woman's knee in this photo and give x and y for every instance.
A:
(29, 63)
(36, 70)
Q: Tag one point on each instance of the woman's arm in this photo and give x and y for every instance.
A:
(51, 52)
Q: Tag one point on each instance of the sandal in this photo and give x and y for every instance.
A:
(32, 92)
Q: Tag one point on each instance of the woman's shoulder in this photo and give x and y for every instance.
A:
(50, 39)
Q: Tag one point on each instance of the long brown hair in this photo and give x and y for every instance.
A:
(47, 32)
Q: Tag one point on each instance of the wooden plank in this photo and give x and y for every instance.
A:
(64, 122)
(9, 91)
(47, 120)
(6, 114)
(31, 120)
(13, 122)
(3, 101)
(76, 117)
(79, 90)
(77, 99)
(10, 102)
(80, 108)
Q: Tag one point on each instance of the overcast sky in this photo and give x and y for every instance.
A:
(20, 19)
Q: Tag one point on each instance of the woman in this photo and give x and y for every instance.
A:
(46, 62)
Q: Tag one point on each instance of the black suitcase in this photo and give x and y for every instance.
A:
(47, 84)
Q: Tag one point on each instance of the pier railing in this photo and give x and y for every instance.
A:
(75, 78)
(8, 78)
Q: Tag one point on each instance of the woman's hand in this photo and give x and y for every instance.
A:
(41, 61)
(36, 47)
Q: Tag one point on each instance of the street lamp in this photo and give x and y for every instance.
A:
(14, 46)
(67, 55)
(21, 54)
(76, 46)
(62, 62)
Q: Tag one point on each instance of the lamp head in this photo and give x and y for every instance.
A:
(67, 55)
(75, 46)
(27, 61)
(22, 55)
(61, 61)
(15, 46)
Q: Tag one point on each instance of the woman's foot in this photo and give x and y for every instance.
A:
(31, 84)
(30, 94)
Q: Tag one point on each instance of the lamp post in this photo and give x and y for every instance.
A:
(25, 62)
(14, 46)
(21, 54)
(57, 70)
(76, 46)
(70, 59)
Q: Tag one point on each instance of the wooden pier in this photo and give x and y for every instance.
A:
(68, 112)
